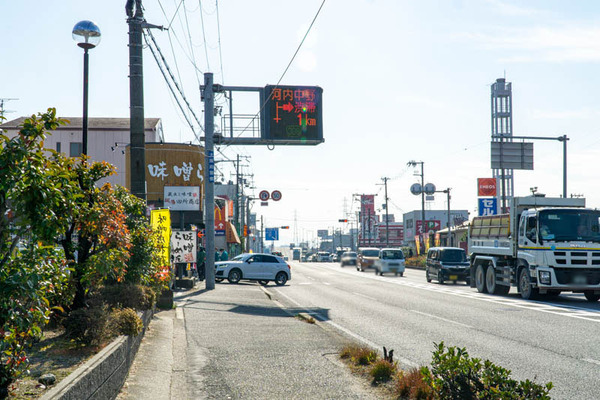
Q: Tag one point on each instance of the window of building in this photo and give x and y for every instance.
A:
(75, 149)
(58, 147)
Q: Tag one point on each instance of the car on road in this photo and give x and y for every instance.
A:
(366, 257)
(390, 260)
(447, 264)
(348, 258)
(259, 267)
(323, 256)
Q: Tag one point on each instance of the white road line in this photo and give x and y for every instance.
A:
(326, 283)
(365, 296)
(440, 318)
(591, 361)
(346, 330)
(304, 283)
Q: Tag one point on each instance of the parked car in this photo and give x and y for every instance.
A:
(348, 258)
(447, 264)
(366, 257)
(323, 256)
(390, 260)
(254, 267)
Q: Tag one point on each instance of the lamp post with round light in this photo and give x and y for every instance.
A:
(87, 36)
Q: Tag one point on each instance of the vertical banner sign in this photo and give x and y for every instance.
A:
(367, 212)
(271, 233)
(211, 165)
(488, 207)
(486, 187)
(293, 113)
(183, 247)
(160, 220)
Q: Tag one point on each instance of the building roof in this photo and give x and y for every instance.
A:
(98, 124)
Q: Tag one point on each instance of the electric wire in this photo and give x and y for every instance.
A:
(192, 48)
(204, 35)
(219, 40)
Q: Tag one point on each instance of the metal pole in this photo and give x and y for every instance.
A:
(564, 139)
(387, 220)
(262, 250)
(137, 159)
(422, 200)
(85, 102)
(209, 184)
(237, 195)
(449, 233)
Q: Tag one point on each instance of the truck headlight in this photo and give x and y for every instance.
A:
(545, 277)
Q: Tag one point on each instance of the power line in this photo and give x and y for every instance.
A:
(204, 35)
(219, 40)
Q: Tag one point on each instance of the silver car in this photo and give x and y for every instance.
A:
(259, 267)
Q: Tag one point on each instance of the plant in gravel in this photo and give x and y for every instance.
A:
(359, 355)
(410, 385)
(455, 375)
(382, 371)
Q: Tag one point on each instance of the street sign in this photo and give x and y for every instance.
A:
(271, 233)
(264, 195)
(486, 187)
(276, 195)
(416, 189)
(219, 232)
(512, 155)
(322, 233)
(293, 114)
(429, 188)
(264, 203)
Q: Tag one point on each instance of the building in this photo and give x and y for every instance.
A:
(107, 140)
(435, 221)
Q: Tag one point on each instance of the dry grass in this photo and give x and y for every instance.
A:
(359, 355)
(410, 385)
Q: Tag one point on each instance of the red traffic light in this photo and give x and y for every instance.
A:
(285, 227)
(342, 220)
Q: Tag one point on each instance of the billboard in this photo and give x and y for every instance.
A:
(183, 247)
(512, 155)
(432, 225)
(170, 164)
(160, 221)
(487, 206)
(486, 187)
(322, 233)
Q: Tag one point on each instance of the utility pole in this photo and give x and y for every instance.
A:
(137, 153)
(387, 220)
(414, 164)
(209, 184)
(450, 238)
(262, 249)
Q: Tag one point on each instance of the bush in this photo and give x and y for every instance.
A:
(359, 355)
(88, 326)
(454, 375)
(126, 322)
(410, 385)
(137, 297)
(382, 371)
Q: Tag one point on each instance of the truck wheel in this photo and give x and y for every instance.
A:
(427, 275)
(491, 283)
(480, 279)
(591, 297)
(527, 291)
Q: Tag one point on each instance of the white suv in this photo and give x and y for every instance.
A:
(254, 267)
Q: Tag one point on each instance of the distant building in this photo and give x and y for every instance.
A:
(435, 221)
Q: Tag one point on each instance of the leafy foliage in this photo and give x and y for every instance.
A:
(454, 375)
(126, 322)
(382, 371)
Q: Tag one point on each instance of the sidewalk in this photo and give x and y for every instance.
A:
(236, 343)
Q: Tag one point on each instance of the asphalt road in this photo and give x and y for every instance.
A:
(545, 341)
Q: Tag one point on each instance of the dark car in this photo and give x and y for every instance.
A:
(447, 264)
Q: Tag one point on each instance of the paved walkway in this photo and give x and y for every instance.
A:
(234, 342)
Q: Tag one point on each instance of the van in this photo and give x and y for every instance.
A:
(447, 264)
(366, 257)
(390, 260)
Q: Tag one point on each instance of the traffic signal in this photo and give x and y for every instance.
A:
(245, 230)
(342, 220)
(285, 227)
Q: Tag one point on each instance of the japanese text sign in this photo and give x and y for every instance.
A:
(487, 206)
(160, 220)
(486, 187)
(182, 198)
(183, 247)
(293, 113)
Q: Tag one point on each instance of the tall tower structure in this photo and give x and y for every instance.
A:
(502, 131)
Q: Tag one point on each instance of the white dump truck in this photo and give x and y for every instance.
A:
(544, 246)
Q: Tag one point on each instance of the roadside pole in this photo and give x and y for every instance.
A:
(209, 189)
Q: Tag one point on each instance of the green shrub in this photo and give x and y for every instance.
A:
(137, 297)
(126, 322)
(454, 375)
(88, 326)
(382, 371)
(410, 385)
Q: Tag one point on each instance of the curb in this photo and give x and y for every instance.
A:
(103, 375)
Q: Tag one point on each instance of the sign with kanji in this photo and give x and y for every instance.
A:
(293, 114)
(183, 247)
(271, 233)
(487, 206)
(160, 221)
(182, 198)
(431, 225)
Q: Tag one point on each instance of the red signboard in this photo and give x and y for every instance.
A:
(486, 186)
(432, 225)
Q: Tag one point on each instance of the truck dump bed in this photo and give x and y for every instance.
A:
(490, 227)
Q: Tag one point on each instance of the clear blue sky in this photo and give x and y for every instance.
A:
(402, 80)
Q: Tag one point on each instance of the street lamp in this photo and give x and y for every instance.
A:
(87, 36)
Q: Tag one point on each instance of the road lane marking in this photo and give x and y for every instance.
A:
(365, 296)
(345, 330)
(531, 305)
(591, 361)
(442, 319)
(326, 283)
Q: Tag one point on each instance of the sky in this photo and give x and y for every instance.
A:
(402, 80)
